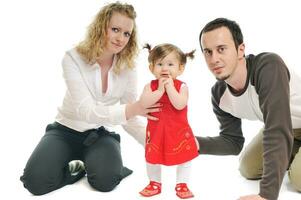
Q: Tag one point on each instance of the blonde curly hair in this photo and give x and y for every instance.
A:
(93, 45)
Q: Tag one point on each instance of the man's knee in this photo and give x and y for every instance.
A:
(105, 182)
(295, 178)
(295, 172)
(250, 169)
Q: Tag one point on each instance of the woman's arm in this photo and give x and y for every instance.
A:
(135, 126)
(149, 97)
(88, 109)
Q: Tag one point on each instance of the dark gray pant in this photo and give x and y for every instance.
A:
(47, 168)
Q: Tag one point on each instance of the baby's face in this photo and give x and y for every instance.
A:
(169, 66)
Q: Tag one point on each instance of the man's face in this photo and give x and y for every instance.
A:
(220, 53)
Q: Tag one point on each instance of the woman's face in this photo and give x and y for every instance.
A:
(119, 32)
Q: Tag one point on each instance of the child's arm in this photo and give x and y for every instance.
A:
(149, 97)
(178, 99)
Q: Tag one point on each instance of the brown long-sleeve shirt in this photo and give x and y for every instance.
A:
(271, 94)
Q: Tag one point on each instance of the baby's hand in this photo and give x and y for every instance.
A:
(168, 82)
(161, 86)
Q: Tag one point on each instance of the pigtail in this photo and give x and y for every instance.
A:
(148, 46)
(190, 54)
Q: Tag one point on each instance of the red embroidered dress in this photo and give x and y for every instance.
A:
(169, 141)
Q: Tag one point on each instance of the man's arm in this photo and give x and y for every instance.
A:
(230, 140)
(271, 80)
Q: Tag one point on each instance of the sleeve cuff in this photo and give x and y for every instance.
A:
(117, 115)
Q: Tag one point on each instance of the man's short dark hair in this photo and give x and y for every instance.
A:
(223, 22)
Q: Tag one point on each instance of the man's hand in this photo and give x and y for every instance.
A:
(251, 197)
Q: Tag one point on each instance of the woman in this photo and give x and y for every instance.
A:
(99, 74)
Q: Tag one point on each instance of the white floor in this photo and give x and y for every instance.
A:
(213, 177)
(33, 42)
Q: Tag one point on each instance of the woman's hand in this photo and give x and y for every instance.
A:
(132, 110)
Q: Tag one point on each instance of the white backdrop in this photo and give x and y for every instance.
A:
(34, 36)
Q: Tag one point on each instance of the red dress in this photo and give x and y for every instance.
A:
(169, 141)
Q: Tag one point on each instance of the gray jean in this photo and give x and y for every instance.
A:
(47, 168)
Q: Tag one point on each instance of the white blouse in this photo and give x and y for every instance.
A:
(86, 107)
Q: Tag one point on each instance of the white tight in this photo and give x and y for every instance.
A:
(183, 172)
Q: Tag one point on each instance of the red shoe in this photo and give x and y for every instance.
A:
(183, 192)
(153, 188)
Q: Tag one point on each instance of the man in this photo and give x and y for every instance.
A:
(254, 87)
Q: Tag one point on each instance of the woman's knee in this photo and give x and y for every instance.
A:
(37, 182)
(104, 164)
(40, 179)
(104, 182)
